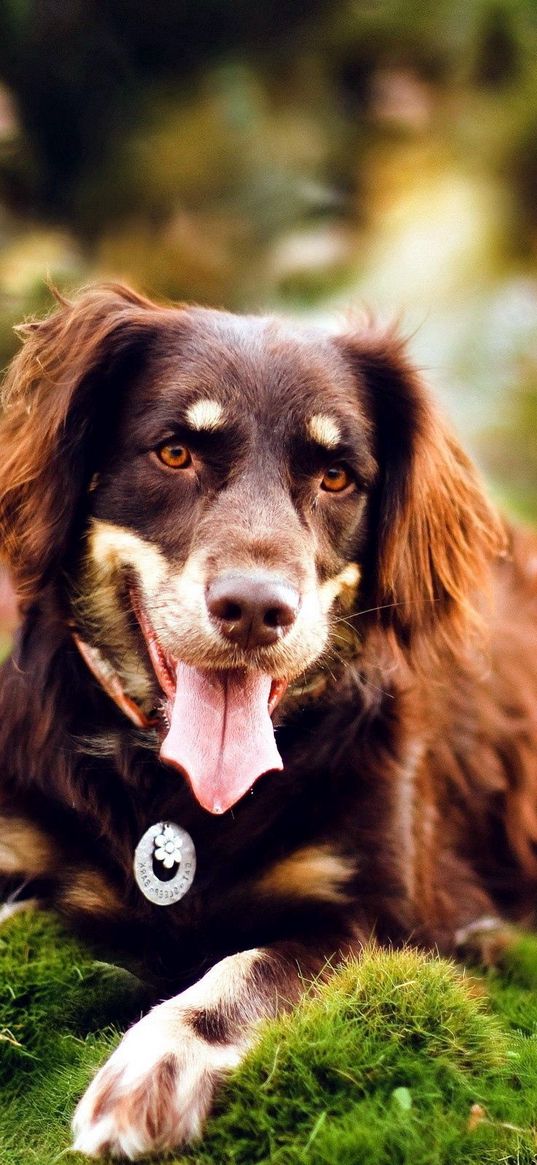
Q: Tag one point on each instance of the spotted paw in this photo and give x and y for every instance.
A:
(155, 1091)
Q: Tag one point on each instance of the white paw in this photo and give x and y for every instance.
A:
(155, 1091)
(8, 909)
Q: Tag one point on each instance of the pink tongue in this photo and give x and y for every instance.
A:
(221, 734)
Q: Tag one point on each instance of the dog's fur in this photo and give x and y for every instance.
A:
(407, 806)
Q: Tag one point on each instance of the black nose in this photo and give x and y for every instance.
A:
(252, 610)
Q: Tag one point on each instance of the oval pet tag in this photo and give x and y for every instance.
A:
(165, 863)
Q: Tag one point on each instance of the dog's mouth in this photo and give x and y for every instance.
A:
(220, 732)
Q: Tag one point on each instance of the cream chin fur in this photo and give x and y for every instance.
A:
(183, 619)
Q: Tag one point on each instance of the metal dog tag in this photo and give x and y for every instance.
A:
(165, 863)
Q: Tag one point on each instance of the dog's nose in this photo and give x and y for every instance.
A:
(252, 610)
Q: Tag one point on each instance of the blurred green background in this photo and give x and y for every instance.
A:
(312, 157)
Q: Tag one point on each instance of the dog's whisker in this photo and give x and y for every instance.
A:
(386, 607)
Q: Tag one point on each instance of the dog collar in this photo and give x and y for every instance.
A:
(165, 857)
(109, 680)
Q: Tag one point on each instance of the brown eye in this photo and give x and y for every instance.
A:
(336, 479)
(174, 455)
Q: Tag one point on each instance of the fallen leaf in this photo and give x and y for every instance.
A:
(476, 1118)
(403, 1098)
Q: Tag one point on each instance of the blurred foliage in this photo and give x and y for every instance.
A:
(509, 447)
(283, 153)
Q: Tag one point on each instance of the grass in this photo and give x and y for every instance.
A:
(401, 1060)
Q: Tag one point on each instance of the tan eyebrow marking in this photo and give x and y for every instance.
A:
(205, 414)
(324, 430)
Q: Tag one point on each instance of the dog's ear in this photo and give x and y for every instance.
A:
(432, 532)
(58, 393)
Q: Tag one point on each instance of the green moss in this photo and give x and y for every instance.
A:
(382, 1065)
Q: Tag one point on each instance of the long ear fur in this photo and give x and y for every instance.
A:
(53, 400)
(433, 533)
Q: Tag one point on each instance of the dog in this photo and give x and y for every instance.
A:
(274, 691)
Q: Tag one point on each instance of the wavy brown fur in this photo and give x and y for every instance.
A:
(47, 418)
(435, 533)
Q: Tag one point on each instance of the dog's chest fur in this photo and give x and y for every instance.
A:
(287, 862)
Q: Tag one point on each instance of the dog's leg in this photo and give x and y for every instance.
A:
(26, 857)
(155, 1091)
(25, 851)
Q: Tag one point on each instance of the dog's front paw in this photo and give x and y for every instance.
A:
(155, 1091)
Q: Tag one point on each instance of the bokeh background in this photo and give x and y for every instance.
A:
(309, 156)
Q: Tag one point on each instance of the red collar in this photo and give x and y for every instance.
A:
(111, 683)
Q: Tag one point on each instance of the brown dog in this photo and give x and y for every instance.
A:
(275, 687)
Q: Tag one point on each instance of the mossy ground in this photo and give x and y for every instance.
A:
(382, 1067)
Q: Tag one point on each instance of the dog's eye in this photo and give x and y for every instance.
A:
(174, 455)
(336, 479)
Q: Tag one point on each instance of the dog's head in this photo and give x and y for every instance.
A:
(217, 497)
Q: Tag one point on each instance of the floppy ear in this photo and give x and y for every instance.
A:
(54, 397)
(433, 534)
